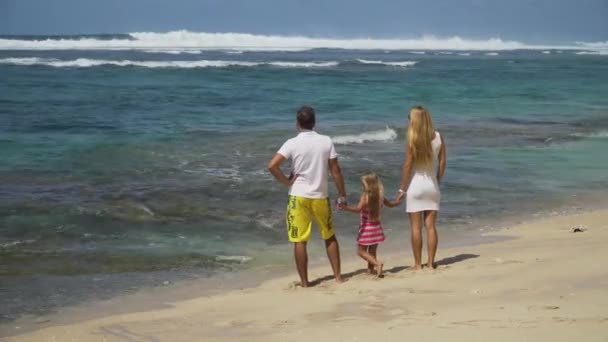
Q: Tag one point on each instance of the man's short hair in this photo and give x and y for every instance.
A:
(306, 117)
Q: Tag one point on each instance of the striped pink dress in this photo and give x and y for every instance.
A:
(370, 232)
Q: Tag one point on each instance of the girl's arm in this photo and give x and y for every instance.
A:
(360, 205)
(406, 174)
(442, 158)
(392, 204)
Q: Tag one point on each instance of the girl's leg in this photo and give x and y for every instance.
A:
(430, 218)
(416, 237)
(372, 251)
(370, 267)
(362, 251)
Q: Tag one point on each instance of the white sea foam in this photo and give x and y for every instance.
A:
(491, 54)
(593, 48)
(418, 52)
(86, 63)
(238, 258)
(594, 135)
(400, 64)
(387, 134)
(244, 41)
(174, 51)
(15, 243)
(303, 64)
(598, 52)
(547, 52)
(464, 54)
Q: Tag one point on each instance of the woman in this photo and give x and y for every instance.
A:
(420, 181)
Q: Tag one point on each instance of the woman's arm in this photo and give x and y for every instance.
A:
(442, 160)
(356, 209)
(406, 174)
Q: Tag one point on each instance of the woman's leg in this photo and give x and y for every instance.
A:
(430, 218)
(416, 237)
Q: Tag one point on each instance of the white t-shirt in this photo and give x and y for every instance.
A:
(309, 153)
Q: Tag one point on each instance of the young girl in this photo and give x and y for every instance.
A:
(370, 228)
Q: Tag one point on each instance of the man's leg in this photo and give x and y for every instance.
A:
(321, 211)
(333, 253)
(301, 256)
(298, 230)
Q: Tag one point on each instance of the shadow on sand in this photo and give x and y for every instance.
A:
(443, 262)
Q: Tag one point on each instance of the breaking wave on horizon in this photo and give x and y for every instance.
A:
(183, 39)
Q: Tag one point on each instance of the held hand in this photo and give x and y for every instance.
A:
(400, 195)
(341, 202)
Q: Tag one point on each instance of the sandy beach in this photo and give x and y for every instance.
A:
(546, 284)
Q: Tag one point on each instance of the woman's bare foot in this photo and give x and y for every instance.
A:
(417, 268)
(431, 265)
(379, 269)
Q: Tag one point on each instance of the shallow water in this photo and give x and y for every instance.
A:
(152, 166)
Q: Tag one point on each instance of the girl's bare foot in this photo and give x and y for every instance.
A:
(379, 269)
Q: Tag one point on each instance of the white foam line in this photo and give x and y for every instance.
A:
(387, 134)
(85, 63)
(243, 41)
(400, 64)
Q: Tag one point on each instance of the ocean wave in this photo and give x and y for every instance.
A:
(16, 243)
(174, 51)
(598, 52)
(243, 41)
(234, 258)
(400, 64)
(593, 48)
(86, 63)
(387, 134)
(491, 53)
(593, 135)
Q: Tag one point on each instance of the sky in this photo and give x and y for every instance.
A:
(530, 21)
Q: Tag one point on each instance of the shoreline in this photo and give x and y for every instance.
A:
(448, 258)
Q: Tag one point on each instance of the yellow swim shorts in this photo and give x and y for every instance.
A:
(300, 212)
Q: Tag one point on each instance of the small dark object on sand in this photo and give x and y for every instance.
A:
(578, 229)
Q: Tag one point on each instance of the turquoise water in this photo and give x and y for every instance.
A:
(126, 167)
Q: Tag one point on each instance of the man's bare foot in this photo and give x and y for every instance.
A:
(296, 284)
(431, 266)
(379, 270)
(417, 268)
(340, 280)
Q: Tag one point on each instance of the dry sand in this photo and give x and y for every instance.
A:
(548, 284)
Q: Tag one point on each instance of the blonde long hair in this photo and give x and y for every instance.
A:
(373, 188)
(420, 134)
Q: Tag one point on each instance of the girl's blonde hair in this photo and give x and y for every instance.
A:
(373, 188)
(420, 134)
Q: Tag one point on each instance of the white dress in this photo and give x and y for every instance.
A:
(423, 192)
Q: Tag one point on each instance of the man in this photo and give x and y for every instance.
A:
(311, 155)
